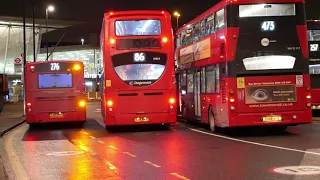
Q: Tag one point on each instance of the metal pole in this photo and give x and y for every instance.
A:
(47, 34)
(34, 32)
(24, 57)
(6, 51)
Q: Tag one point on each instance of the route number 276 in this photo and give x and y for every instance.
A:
(54, 66)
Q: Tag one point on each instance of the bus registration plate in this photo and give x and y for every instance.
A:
(141, 119)
(56, 115)
(272, 118)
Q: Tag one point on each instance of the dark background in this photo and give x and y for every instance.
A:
(91, 12)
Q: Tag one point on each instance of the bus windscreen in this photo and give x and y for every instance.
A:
(54, 81)
(138, 28)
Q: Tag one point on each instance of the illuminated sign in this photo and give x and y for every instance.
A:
(54, 66)
(314, 47)
(268, 26)
(139, 57)
(91, 76)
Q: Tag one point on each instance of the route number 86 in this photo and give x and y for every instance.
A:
(139, 57)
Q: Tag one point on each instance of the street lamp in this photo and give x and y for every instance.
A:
(177, 15)
(82, 41)
(48, 9)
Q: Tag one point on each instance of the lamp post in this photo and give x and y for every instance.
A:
(177, 15)
(82, 41)
(48, 9)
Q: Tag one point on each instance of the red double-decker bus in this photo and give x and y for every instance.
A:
(55, 92)
(314, 54)
(138, 81)
(245, 63)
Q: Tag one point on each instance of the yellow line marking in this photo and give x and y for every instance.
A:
(129, 154)
(112, 147)
(179, 176)
(101, 142)
(92, 137)
(152, 164)
(17, 167)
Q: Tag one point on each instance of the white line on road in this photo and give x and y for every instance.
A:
(255, 143)
(129, 154)
(101, 142)
(316, 124)
(179, 176)
(112, 147)
(92, 137)
(152, 164)
(17, 167)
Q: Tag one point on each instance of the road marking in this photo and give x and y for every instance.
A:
(111, 166)
(101, 142)
(92, 137)
(316, 124)
(255, 143)
(297, 170)
(129, 154)
(152, 164)
(112, 147)
(179, 176)
(17, 167)
(65, 153)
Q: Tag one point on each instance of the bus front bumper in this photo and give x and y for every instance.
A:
(266, 119)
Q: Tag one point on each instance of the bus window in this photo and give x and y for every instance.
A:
(184, 79)
(210, 25)
(203, 28)
(54, 81)
(266, 10)
(138, 28)
(190, 82)
(211, 79)
(217, 79)
(203, 80)
(219, 20)
(183, 38)
(196, 32)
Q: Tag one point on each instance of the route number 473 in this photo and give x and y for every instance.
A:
(268, 26)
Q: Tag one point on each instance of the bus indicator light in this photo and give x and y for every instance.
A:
(76, 67)
(112, 41)
(172, 100)
(82, 103)
(165, 39)
(110, 103)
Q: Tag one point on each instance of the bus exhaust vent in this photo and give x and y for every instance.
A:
(128, 94)
(153, 94)
(223, 91)
(123, 44)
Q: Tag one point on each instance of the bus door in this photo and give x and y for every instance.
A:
(197, 89)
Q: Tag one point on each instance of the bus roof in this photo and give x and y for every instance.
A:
(111, 14)
(56, 61)
(224, 3)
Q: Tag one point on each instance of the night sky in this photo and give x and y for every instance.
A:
(91, 11)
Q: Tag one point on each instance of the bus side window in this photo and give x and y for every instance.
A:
(203, 29)
(183, 38)
(178, 42)
(190, 82)
(219, 24)
(196, 32)
(217, 78)
(211, 79)
(210, 24)
(203, 80)
(184, 79)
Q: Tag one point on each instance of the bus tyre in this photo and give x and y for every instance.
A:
(211, 121)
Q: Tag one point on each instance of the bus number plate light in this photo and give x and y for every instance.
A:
(272, 118)
(141, 119)
(56, 115)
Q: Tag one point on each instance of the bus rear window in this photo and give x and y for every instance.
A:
(54, 81)
(266, 10)
(131, 72)
(138, 28)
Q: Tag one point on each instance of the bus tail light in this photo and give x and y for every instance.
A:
(82, 103)
(110, 103)
(231, 92)
(28, 104)
(164, 39)
(308, 88)
(112, 41)
(32, 68)
(308, 104)
(232, 108)
(172, 101)
(232, 100)
(308, 97)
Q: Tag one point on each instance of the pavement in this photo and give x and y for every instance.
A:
(10, 117)
(185, 151)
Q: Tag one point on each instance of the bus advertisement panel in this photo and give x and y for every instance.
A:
(55, 92)
(138, 78)
(314, 67)
(245, 63)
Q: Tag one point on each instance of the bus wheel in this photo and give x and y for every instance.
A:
(211, 121)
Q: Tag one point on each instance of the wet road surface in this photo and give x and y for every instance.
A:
(185, 151)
